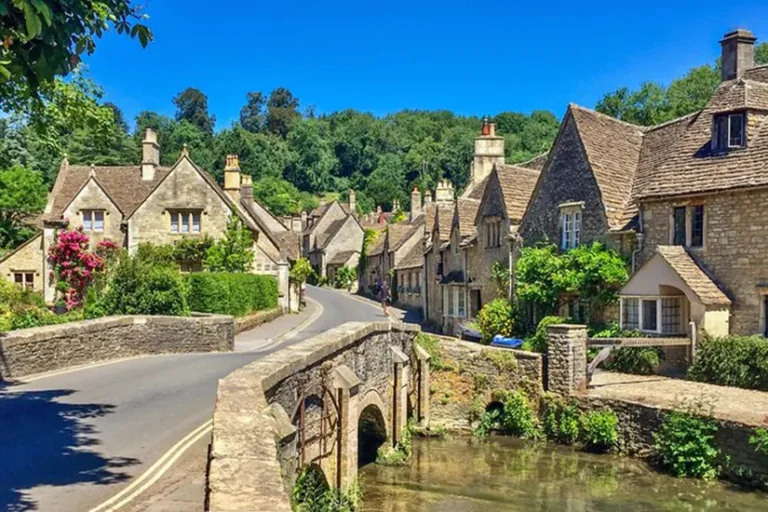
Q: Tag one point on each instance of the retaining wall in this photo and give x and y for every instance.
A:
(249, 322)
(43, 349)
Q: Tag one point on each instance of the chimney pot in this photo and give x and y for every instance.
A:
(232, 183)
(738, 53)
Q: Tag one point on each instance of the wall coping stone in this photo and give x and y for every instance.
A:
(245, 473)
(520, 354)
(566, 327)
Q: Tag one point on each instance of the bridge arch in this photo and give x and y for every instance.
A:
(371, 433)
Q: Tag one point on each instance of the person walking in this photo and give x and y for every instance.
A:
(385, 298)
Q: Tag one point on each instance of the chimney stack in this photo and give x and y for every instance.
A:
(427, 198)
(489, 151)
(738, 53)
(352, 202)
(246, 187)
(232, 177)
(150, 155)
(415, 203)
(444, 192)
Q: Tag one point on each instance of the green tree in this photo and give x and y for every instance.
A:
(192, 106)
(313, 163)
(282, 111)
(281, 197)
(387, 182)
(22, 194)
(301, 271)
(45, 39)
(252, 115)
(234, 252)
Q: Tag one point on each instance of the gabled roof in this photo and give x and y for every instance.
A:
(537, 162)
(342, 258)
(414, 258)
(740, 94)
(35, 237)
(290, 243)
(415, 228)
(681, 262)
(477, 191)
(123, 185)
(443, 221)
(324, 238)
(378, 247)
(613, 150)
(464, 216)
(396, 233)
(516, 184)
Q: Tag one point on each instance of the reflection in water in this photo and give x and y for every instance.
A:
(506, 474)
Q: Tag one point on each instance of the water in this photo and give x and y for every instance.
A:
(506, 474)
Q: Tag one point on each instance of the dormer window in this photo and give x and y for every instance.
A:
(729, 131)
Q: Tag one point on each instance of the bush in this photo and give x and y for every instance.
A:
(398, 455)
(561, 420)
(760, 440)
(538, 341)
(685, 445)
(740, 361)
(518, 418)
(598, 431)
(231, 293)
(345, 277)
(432, 346)
(496, 317)
(635, 360)
(311, 494)
(141, 288)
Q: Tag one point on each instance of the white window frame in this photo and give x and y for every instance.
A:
(186, 222)
(90, 220)
(742, 117)
(571, 221)
(659, 313)
(455, 302)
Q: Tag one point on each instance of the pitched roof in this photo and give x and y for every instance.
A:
(693, 167)
(517, 184)
(325, 238)
(414, 258)
(123, 184)
(342, 258)
(464, 216)
(290, 243)
(396, 233)
(378, 247)
(613, 150)
(477, 191)
(443, 221)
(693, 275)
(537, 162)
(415, 228)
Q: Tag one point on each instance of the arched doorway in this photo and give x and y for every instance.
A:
(371, 434)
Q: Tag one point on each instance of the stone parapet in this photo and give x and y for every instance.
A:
(566, 358)
(54, 347)
(249, 322)
(253, 464)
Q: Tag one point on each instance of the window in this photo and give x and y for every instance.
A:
(688, 226)
(678, 215)
(630, 314)
(650, 315)
(93, 220)
(697, 225)
(454, 301)
(24, 279)
(671, 315)
(461, 312)
(729, 132)
(493, 234)
(570, 222)
(185, 221)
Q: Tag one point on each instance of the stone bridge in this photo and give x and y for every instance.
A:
(327, 403)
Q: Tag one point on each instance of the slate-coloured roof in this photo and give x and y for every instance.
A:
(692, 274)
(517, 184)
(414, 258)
(455, 276)
(123, 185)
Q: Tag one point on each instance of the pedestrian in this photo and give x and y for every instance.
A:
(385, 298)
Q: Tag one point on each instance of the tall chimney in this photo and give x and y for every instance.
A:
(150, 155)
(428, 198)
(246, 187)
(444, 192)
(232, 177)
(489, 151)
(738, 53)
(352, 202)
(415, 203)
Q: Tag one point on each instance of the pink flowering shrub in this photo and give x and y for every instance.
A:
(74, 267)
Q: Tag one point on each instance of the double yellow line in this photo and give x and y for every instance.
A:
(156, 471)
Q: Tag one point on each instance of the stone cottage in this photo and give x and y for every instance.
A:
(333, 237)
(701, 219)
(149, 203)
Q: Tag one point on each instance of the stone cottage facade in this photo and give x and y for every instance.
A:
(333, 237)
(703, 226)
(148, 203)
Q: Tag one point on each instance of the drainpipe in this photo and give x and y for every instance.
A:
(640, 237)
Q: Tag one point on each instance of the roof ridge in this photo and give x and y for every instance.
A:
(670, 122)
(641, 129)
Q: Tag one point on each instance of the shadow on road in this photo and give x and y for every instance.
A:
(49, 443)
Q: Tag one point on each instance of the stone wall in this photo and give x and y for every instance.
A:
(735, 248)
(43, 349)
(93, 197)
(249, 322)
(28, 258)
(638, 423)
(253, 457)
(463, 384)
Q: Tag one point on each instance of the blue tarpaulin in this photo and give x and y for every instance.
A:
(501, 341)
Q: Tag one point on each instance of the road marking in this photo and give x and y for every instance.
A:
(164, 463)
(291, 333)
(157, 470)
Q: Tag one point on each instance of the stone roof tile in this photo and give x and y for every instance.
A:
(692, 274)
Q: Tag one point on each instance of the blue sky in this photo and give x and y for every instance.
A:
(470, 57)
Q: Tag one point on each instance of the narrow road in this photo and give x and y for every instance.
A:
(71, 441)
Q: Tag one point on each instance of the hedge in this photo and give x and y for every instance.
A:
(231, 294)
(740, 361)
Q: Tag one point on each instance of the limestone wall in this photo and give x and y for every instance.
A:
(469, 374)
(44, 349)
(253, 457)
(27, 259)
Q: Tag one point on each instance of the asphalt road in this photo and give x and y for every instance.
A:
(69, 442)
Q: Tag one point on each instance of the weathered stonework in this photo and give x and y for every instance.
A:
(567, 358)
(27, 259)
(44, 349)
(257, 435)
(735, 250)
(470, 373)
(249, 322)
